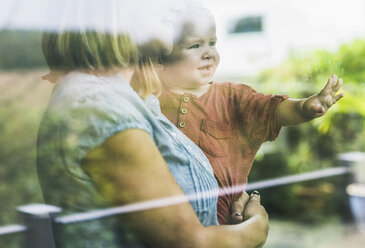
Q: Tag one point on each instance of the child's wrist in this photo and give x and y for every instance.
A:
(306, 114)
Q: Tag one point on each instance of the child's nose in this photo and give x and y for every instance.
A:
(206, 51)
(208, 54)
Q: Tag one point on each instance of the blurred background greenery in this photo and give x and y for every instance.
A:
(316, 144)
(23, 97)
(302, 148)
(20, 50)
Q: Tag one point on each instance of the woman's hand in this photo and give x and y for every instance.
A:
(237, 209)
(239, 213)
(254, 210)
(247, 207)
(248, 210)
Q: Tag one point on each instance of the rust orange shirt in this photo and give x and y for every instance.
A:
(229, 123)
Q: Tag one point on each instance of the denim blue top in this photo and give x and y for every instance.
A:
(83, 112)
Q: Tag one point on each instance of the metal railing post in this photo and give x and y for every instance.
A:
(37, 219)
(356, 162)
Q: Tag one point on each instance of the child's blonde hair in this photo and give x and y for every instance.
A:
(195, 12)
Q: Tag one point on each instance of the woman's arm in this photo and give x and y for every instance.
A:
(128, 168)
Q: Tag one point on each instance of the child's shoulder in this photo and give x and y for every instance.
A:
(232, 86)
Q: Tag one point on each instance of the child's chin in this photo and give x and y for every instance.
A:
(202, 83)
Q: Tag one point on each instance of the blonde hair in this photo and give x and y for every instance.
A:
(88, 50)
(145, 80)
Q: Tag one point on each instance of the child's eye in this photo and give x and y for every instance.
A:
(194, 46)
(212, 43)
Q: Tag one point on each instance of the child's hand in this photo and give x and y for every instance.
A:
(317, 105)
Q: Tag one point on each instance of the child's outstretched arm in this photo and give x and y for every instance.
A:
(295, 111)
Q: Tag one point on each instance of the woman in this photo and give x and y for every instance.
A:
(100, 146)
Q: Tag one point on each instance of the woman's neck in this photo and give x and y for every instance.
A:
(126, 72)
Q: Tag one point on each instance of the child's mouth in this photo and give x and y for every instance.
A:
(205, 68)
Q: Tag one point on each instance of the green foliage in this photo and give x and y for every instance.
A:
(17, 166)
(353, 62)
(343, 126)
(23, 99)
(20, 49)
(315, 144)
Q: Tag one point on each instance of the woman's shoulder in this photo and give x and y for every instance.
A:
(98, 102)
(78, 86)
(77, 90)
(86, 110)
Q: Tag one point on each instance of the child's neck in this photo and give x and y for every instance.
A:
(199, 91)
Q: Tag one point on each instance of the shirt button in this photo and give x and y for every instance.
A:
(186, 99)
(173, 134)
(182, 124)
(184, 110)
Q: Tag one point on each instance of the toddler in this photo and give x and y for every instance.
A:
(228, 121)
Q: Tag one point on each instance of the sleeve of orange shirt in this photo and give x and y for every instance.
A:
(257, 114)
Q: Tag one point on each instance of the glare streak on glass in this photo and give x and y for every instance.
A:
(174, 200)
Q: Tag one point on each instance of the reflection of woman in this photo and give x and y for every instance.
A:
(100, 146)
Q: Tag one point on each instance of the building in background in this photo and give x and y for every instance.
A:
(255, 34)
